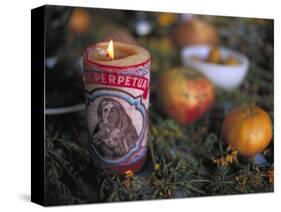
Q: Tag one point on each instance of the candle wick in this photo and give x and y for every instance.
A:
(108, 56)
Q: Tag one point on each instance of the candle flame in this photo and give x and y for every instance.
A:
(110, 51)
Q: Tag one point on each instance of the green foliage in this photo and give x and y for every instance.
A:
(182, 160)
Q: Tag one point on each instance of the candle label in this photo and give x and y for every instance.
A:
(120, 80)
(117, 104)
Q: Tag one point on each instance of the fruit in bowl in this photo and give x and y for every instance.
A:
(185, 94)
(215, 56)
(225, 67)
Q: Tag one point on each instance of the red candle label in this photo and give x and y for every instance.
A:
(117, 101)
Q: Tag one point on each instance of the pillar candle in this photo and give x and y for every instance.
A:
(116, 78)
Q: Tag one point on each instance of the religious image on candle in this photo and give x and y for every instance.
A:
(116, 77)
(114, 134)
(142, 105)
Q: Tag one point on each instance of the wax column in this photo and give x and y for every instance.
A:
(117, 97)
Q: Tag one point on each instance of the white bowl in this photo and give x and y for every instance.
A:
(227, 77)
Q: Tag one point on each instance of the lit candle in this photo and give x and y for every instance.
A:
(110, 51)
(116, 77)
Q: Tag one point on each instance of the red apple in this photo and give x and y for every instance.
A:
(185, 94)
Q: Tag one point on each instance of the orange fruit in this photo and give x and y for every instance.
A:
(248, 129)
(231, 61)
(214, 55)
(79, 21)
